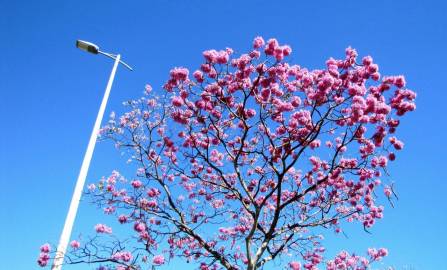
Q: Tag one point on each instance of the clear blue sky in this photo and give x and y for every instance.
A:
(50, 93)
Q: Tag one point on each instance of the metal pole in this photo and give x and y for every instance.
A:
(71, 215)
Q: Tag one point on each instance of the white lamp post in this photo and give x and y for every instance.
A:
(71, 215)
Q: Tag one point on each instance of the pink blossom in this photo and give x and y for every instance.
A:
(367, 60)
(91, 187)
(198, 75)
(286, 50)
(122, 219)
(383, 161)
(250, 113)
(177, 101)
(254, 54)
(272, 44)
(139, 227)
(222, 57)
(377, 255)
(217, 204)
(294, 265)
(391, 156)
(43, 259)
(383, 252)
(179, 73)
(102, 228)
(148, 88)
(315, 144)
(122, 256)
(144, 203)
(45, 248)
(158, 260)
(295, 101)
(153, 192)
(136, 183)
(387, 191)
(210, 56)
(75, 244)
(399, 81)
(398, 145)
(258, 42)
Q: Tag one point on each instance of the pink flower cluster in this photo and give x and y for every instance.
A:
(44, 256)
(294, 265)
(344, 260)
(75, 244)
(122, 219)
(258, 42)
(179, 73)
(136, 183)
(153, 192)
(377, 254)
(158, 260)
(273, 48)
(380, 161)
(398, 145)
(102, 228)
(139, 227)
(387, 191)
(124, 256)
(217, 57)
(145, 203)
(178, 76)
(217, 204)
(403, 101)
(313, 258)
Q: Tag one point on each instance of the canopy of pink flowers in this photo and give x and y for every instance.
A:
(245, 159)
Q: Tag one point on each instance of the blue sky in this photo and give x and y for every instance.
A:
(50, 93)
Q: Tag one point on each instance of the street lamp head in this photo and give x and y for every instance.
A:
(92, 48)
(87, 46)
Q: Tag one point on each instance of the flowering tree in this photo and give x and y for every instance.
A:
(247, 162)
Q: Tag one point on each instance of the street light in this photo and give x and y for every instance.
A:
(87, 46)
(92, 48)
(71, 215)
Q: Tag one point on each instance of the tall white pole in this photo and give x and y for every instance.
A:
(71, 215)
